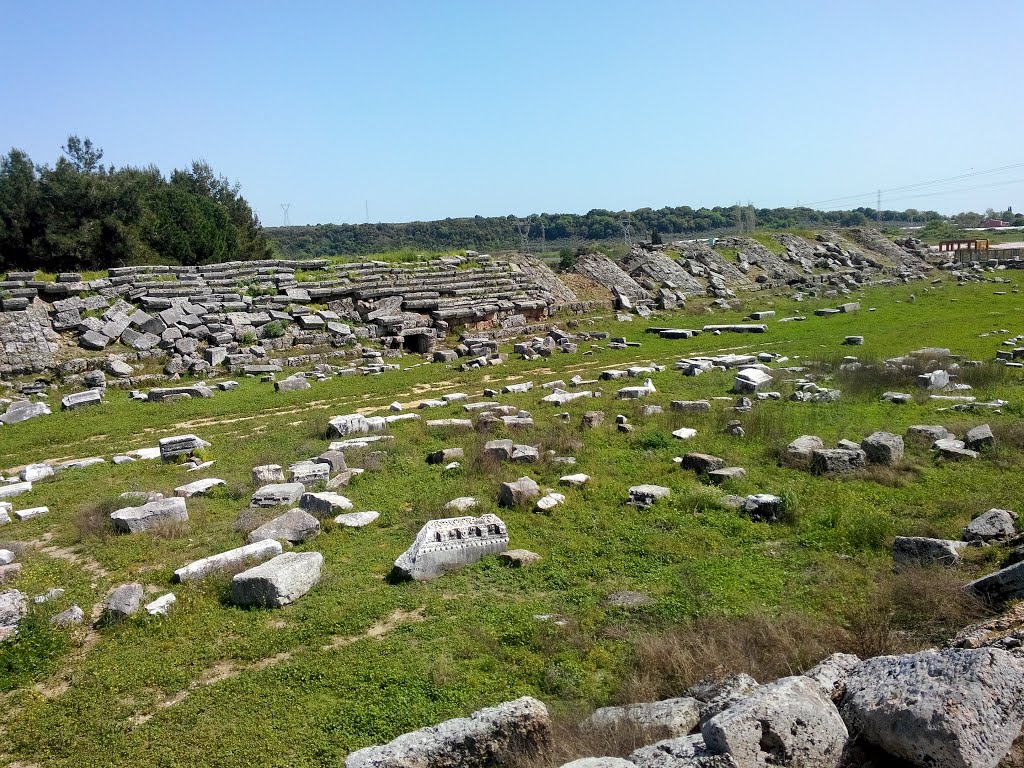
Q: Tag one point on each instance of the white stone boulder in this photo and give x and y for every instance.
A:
(883, 448)
(646, 495)
(575, 480)
(831, 671)
(10, 490)
(957, 708)
(994, 525)
(309, 473)
(516, 492)
(924, 551)
(979, 438)
(267, 474)
(1000, 586)
(356, 519)
(277, 582)
(68, 618)
(549, 501)
(197, 488)
(30, 512)
(81, 399)
(294, 526)
(749, 380)
(461, 504)
(277, 494)
(634, 393)
(161, 605)
(681, 752)
(33, 472)
(123, 602)
(501, 735)
(223, 561)
(20, 410)
(141, 518)
(13, 607)
(324, 504)
(674, 717)
(790, 722)
(179, 445)
(802, 449)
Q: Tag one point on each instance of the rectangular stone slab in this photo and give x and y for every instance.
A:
(277, 494)
(135, 519)
(233, 558)
(277, 582)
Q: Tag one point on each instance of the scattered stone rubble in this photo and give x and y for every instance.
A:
(950, 707)
(832, 265)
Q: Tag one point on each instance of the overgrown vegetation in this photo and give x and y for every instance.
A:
(81, 214)
(565, 230)
(304, 685)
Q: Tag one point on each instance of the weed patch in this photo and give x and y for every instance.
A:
(764, 646)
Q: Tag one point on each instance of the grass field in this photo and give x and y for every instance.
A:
(358, 660)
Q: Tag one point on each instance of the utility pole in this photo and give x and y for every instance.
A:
(367, 204)
(627, 232)
(523, 227)
(284, 219)
(878, 209)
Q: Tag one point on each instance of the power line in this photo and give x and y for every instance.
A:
(918, 185)
(523, 227)
(958, 190)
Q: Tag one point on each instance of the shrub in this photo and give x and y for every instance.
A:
(93, 520)
(913, 609)
(251, 518)
(566, 259)
(274, 329)
(655, 441)
(168, 529)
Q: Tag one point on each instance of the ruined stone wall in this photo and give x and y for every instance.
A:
(606, 272)
(660, 270)
(752, 252)
(229, 315)
(875, 241)
(28, 342)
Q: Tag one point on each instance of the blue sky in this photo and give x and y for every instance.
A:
(430, 110)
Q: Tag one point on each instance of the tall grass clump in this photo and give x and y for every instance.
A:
(763, 646)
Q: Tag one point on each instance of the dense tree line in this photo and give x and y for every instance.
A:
(503, 232)
(80, 214)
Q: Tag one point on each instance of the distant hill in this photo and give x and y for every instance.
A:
(504, 232)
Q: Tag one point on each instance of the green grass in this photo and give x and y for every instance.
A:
(768, 241)
(51, 277)
(398, 256)
(478, 641)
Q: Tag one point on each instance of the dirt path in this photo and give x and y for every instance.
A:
(225, 670)
(84, 562)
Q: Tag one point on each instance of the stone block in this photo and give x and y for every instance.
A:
(277, 582)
